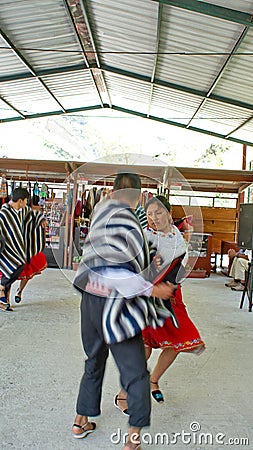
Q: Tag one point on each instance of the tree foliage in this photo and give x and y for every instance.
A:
(213, 156)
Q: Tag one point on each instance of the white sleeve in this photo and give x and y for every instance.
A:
(248, 253)
(127, 283)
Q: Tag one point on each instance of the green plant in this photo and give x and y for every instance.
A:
(77, 259)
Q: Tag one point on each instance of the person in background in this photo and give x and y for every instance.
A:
(12, 256)
(34, 236)
(114, 292)
(238, 267)
(169, 339)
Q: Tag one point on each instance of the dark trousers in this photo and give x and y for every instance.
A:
(129, 356)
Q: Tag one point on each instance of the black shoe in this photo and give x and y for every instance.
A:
(6, 309)
(18, 297)
(157, 394)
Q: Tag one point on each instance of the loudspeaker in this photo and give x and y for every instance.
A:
(245, 233)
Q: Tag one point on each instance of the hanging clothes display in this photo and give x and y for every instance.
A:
(36, 189)
(86, 209)
(3, 187)
(13, 185)
(44, 191)
(29, 188)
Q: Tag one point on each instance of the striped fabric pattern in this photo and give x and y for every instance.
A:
(34, 233)
(116, 239)
(11, 229)
(123, 319)
(141, 216)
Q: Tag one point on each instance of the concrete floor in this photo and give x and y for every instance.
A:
(42, 362)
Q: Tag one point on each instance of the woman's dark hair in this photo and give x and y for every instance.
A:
(160, 200)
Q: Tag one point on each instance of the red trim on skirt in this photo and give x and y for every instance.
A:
(34, 267)
(186, 338)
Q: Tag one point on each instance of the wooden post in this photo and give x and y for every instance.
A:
(244, 159)
(72, 221)
(66, 238)
(244, 156)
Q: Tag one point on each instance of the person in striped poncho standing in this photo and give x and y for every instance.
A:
(34, 235)
(12, 256)
(116, 306)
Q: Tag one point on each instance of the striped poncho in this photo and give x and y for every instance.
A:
(11, 230)
(34, 233)
(22, 235)
(116, 240)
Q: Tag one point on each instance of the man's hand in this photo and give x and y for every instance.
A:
(163, 290)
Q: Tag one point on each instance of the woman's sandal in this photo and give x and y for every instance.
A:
(4, 304)
(5, 307)
(84, 432)
(157, 394)
(124, 411)
(18, 297)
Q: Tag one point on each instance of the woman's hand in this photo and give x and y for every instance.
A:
(187, 229)
(163, 290)
(232, 253)
(157, 260)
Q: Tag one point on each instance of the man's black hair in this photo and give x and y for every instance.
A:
(19, 193)
(128, 184)
(127, 180)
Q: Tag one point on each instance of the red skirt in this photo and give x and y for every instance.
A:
(34, 267)
(186, 338)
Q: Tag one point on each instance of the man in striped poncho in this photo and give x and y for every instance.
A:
(116, 306)
(34, 234)
(12, 256)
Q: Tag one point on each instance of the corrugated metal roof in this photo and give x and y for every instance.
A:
(184, 62)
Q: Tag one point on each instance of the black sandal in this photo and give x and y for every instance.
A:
(157, 394)
(18, 297)
(124, 411)
(6, 308)
(84, 432)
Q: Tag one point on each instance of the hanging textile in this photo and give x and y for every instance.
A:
(36, 189)
(3, 187)
(29, 188)
(44, 191)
